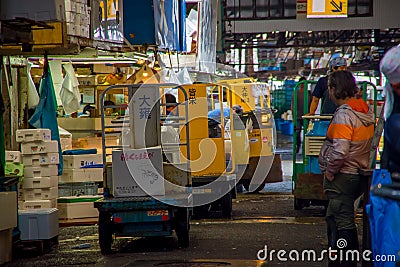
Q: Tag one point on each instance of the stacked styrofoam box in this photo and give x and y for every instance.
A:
(75, 168)
(77, 18)
(40, 157)
(76, 172)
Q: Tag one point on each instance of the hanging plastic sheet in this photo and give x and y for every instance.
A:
(57, 76)
(184, 77)
(33, 96)
(70, 96)
(167, 29)
(384, 214)
(207, 40)
(45, 113)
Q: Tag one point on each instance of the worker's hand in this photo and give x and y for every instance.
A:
(329, 176)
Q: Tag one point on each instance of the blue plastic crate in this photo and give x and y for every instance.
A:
(278, 123)
(287, 128)
(319, 129)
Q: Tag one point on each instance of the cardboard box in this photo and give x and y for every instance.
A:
(81, 175)
(87, 79)
(39, 224)
(13, 156)
(39, 204)
(40, 193)
(103, 68)
(137, 172)
(33, 135)
(8, 210)
(14, 169)
(37, 160)
(40, 182)
(77, 207)
(43, 171)
(78, 161)
(65, 139)
(176, 178)
(6, 246)
(39, 147)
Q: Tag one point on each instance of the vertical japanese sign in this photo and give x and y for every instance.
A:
(327, 8)
(145, 120)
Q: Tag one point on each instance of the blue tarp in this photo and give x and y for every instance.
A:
(216, 113)
(384, 214)
(80, 151)
(45, 115)
(167, 24)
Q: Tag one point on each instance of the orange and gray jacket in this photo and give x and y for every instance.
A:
(348, 139)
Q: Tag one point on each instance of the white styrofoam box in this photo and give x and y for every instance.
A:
(40, 193)
(77, 20)
(78, 161)
(33, 135)
(40, 204)
(42, 171)
(71, 28)
(39, 147)
(70, 17)
(70, 6)
(37, 160)
(77, 207)
(85, 20)
(85, 31)
(81, 175)
(39, 10)
(38, 224)
(40, 182)
(137, 172)
(13, 156)
(81, 8)
(8, 210)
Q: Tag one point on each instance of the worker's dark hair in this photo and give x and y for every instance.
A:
(342, 83)
(302, 78)
(170, 98)
(238, 109)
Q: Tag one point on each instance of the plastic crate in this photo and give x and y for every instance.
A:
(287, 128)
(313, 144)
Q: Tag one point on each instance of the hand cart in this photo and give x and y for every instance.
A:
(307, 177)
(139, 216)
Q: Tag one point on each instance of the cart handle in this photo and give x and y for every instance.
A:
(323, 117)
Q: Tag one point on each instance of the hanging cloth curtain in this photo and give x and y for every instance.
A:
(69, 93)
(45, 115)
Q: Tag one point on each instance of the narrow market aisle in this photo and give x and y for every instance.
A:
(285, 149)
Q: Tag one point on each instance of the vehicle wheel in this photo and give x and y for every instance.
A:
(226, 205)
(182, 227)
(298, 204)
(105, 232)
